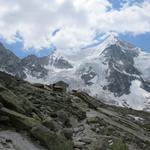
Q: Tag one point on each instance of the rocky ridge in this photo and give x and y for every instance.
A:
(54, 119)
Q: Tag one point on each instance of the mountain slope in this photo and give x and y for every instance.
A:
(63, 120)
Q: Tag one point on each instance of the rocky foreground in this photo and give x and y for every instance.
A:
(38, 117)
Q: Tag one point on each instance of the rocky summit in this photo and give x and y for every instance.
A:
(49, 117)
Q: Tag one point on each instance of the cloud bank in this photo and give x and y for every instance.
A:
(69, 23)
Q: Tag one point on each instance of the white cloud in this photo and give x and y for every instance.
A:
(78, 20)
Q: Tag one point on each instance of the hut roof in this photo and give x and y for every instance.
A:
(62, 83)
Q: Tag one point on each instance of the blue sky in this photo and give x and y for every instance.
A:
(141, 41)
(17, 49)
(33, 27)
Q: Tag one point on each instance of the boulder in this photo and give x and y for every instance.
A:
(39, 85)
(68, 133)
(50, 139)
(19, 120)
(10, 100)
(51, 124)
(85, 140)
(92, 102)
(63, 116)
(92, 120)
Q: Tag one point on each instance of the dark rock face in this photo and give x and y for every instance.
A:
(60, 63)
(8, 61)
(145, 85)
(115, 53)
(87, 76)
(120, 82)
(35, 65)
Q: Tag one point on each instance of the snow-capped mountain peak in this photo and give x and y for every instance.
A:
(112, 70)
(105, 42)
(111, 38)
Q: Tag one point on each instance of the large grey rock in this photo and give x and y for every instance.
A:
(50, 139)
(63, 116)
(68, 133)
(19, 120)
(51, 124)
(10, 100)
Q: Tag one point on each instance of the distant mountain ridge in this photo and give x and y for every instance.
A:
(115, 71)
